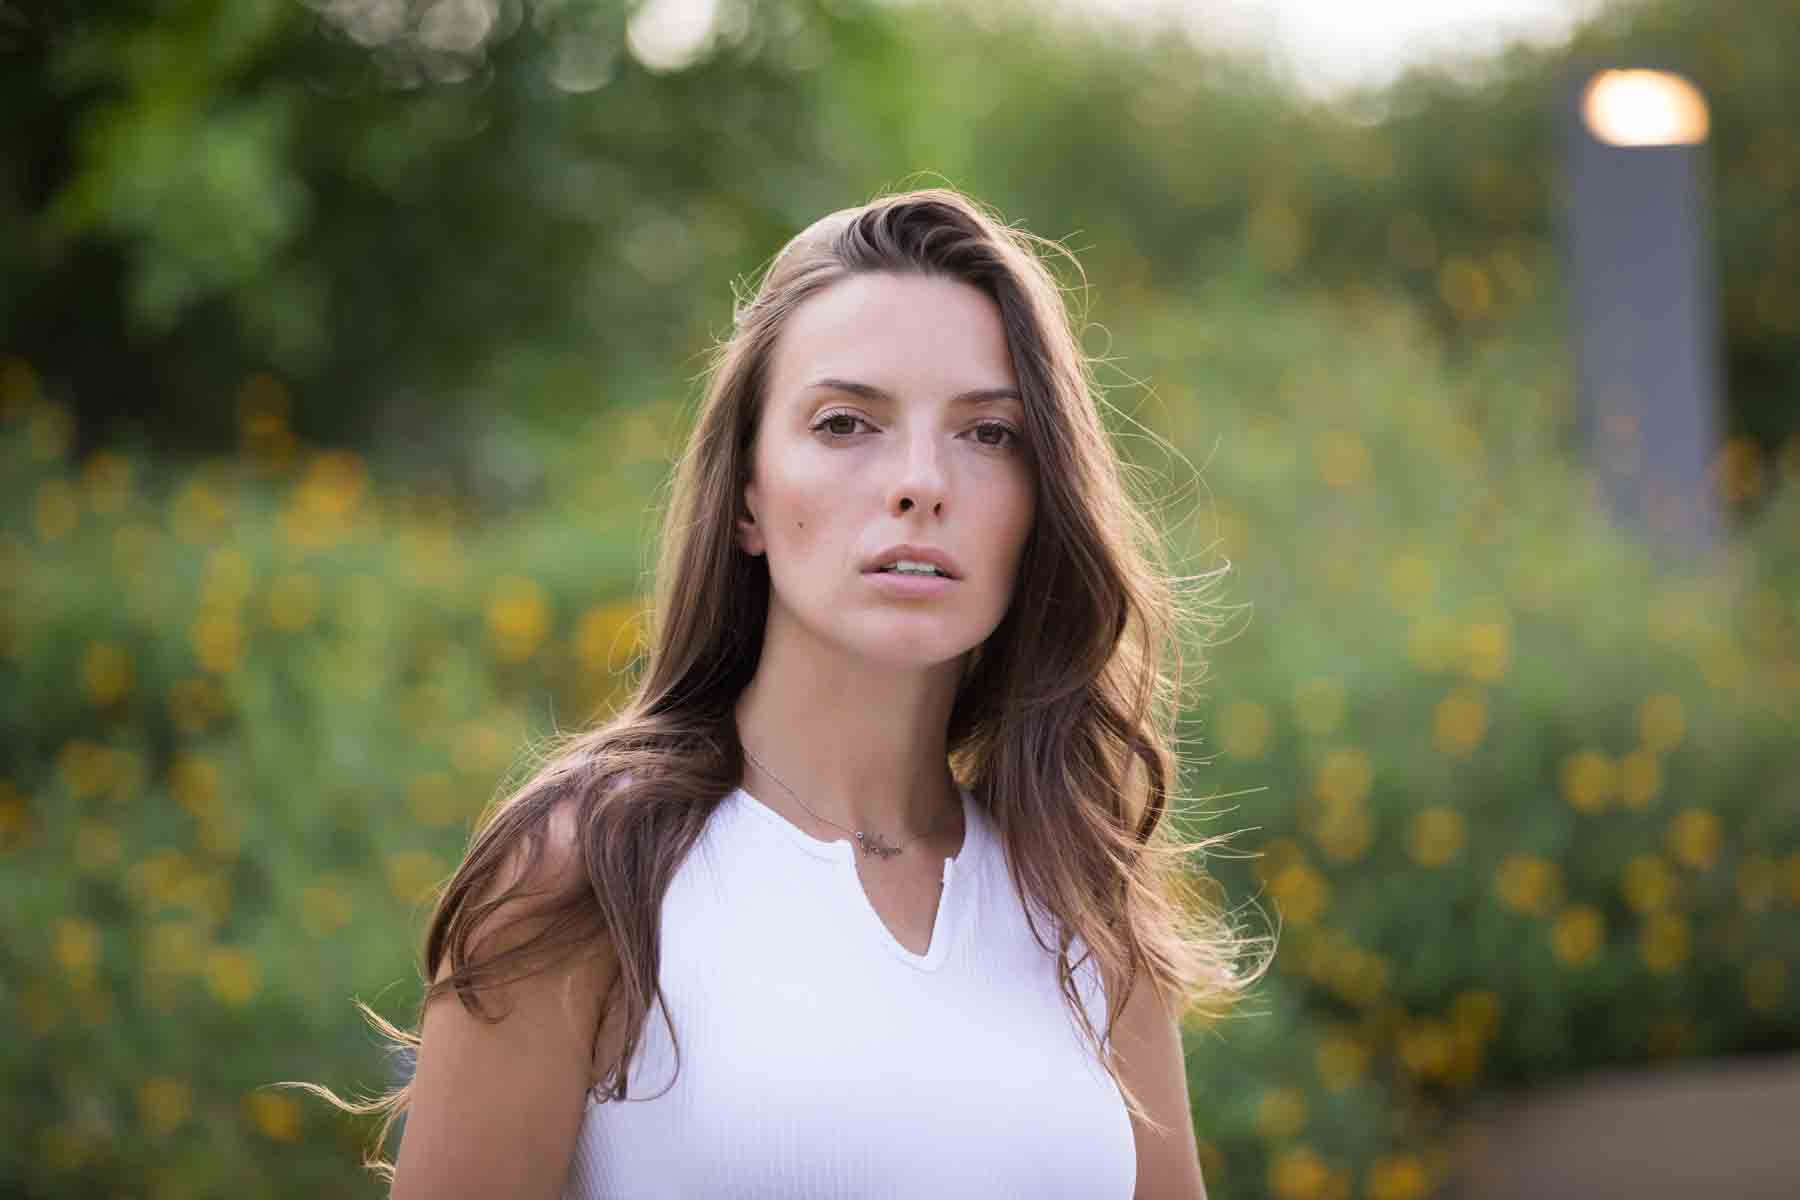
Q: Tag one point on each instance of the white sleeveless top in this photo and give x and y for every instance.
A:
(821, 1058)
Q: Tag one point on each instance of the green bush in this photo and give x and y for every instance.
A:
(1524, 800)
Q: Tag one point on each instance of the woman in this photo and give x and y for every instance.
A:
(867, 891)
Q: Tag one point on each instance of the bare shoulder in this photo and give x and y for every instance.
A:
(497, 1105)
(1148, 1056)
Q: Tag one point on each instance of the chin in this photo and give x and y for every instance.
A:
(903, 653)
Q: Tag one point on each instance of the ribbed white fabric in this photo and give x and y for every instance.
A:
(821, 1058)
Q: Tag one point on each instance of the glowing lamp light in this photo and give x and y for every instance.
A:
(1644, 108)
(668, 35)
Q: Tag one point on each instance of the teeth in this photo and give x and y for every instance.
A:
(908, 567)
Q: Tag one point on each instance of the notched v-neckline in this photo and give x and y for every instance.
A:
(953, 902)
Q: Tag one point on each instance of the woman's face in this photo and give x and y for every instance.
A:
(891, 415)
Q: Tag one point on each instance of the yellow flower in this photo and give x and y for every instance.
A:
(413, 875)
(1466, 1057)
(1359, 976)
(1411, 580)
(1344, 777)
(1588, 781)
(480, 748)
(87, 768)
(1648, 884)
(98, 846)
(176, 948)
(1465, 288)
(57, 511)
(1664, 942)
(1529, 884)
(1301, 892)
(1640, 779)
(1661, 723)
(1281, 1113)
(334, 484)
(226, 581)
(518, 618)
(432, 800)
(1340, 820)
(218, 641)
(156, 882)
(1431, 644)
(194, 782)
(164, 1104)
(325, 909)
(194, 704)
(1343, 460)
(1343, 1061)
(199, 512)
(1461, 722)
(1579, 933)
(1438, 836)
(77, 946)
(106, 478)
(1299, 1174)
(1476, 1014)
(293, 602)
(206, 894)
(1426, 1048)
(1694, 839)
(275, 1116)
(1402, 1178)
(232, 975)
(1245, 729)
(1487, 650)
(106, 669)
(1274, 857)
(608, 637)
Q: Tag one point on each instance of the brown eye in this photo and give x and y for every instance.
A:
(1006, 438)
(830, 424)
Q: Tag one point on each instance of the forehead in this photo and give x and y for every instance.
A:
(906, 334)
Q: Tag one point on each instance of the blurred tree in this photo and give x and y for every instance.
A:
(421, 214)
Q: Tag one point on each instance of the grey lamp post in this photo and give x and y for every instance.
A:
(1639, 248)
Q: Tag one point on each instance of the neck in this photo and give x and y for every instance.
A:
(861, 743)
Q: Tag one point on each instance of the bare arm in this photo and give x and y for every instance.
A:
(497, 1107)
(1148, 1056)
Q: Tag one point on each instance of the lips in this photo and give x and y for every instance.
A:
(907, 551)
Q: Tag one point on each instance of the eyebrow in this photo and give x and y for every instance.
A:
(871, 392)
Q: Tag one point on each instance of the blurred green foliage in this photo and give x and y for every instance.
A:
(422, 222)
(313, 333)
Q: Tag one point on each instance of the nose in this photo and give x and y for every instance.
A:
(919, 481)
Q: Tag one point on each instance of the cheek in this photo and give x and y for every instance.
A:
(1019, 518)
(797, 516)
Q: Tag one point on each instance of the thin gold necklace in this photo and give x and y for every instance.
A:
(872, 843)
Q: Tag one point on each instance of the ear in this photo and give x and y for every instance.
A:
(750, 535)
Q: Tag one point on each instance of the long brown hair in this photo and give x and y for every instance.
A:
(1063, 728)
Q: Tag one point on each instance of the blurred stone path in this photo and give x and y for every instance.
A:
(1727, 1128)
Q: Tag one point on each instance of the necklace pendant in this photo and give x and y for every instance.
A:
(873, 844)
